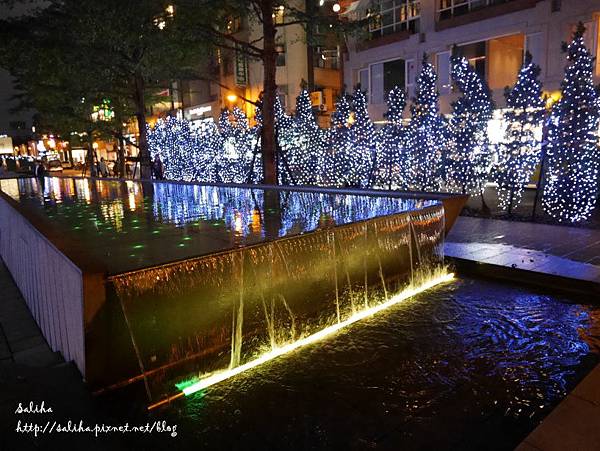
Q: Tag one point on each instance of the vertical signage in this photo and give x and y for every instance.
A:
(241, 68)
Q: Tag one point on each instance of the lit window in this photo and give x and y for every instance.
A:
(392, 16)
(451, 8)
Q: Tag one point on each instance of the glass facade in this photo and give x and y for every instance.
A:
(392, 16)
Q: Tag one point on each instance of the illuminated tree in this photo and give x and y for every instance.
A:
(393, 155)
(571, 179)
(428, 133)
(468, 154)
(302, 142)
(336, 160)
(519, 154)
(180, 150)
(362, 152)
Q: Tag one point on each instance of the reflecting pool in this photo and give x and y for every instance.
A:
(132, 225)
(472, 365)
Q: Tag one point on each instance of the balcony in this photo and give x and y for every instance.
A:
(466, 13)
(383, 40)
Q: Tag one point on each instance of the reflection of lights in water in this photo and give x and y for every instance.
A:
(56, 189)
(131, 190)
(84, 190)
(437, 278)
(238, 223)
(113, 213)
(255, 224)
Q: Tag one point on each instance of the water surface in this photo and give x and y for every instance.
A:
(130, 225)
(473, 365)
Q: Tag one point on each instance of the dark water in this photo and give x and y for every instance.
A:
(131, 225)
(472, 365)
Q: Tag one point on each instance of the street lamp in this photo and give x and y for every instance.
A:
(336, 7)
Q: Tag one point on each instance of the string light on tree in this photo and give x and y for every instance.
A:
(362, 153)
(571, 179)
(428, 132)
(519, 154)
(468, 154)
(393, 155)
(337, 159)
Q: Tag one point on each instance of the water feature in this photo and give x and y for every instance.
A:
(201, 280)
(471, 365)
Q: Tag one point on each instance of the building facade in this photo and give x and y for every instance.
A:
(239, 78)
(492, 34)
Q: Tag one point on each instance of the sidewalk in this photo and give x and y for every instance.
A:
(539, 253)
(30, 372)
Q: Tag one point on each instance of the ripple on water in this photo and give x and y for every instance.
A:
(469, 364)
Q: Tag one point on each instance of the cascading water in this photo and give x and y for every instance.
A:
(274, 294)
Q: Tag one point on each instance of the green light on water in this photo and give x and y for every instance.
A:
(138, 246)
(187, 238)
(185, 384)
(156, 232)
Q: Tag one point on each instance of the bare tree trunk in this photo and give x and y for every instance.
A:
(90, 155)
(70, 154)
(140, 103)
(121, 167)
(269, 93)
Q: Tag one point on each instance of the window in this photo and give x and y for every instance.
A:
(234, 24)
(452, 8)
(497, 60)
(280, 49)
(363, 80)
(385, 76)
(476, 54)
(442, 63)
(326, 58)
(392, 16)
(504, 60)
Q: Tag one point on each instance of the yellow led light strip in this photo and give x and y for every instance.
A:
(224, 375)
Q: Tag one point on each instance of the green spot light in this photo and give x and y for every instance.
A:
(187, 238)
(156, 232)
(181, 244)
(138, 246)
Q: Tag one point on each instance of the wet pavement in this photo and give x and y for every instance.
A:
(568, 252)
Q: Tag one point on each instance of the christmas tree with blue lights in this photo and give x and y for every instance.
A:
(336, 158)
(428, 133)
(392, 153)
(520, 153)
(302, 143)
(468, 158)
(363, 151)
(573, 161)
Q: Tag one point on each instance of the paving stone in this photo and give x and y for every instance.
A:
(576, 243)
(573, 425)
(525, 446)
(5, 352)
(589, 388)
(38, 356)
(27, 343)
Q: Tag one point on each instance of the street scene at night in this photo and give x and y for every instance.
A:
(300, 225)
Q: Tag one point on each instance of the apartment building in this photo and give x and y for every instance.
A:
(239, 78)
(492, 34)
